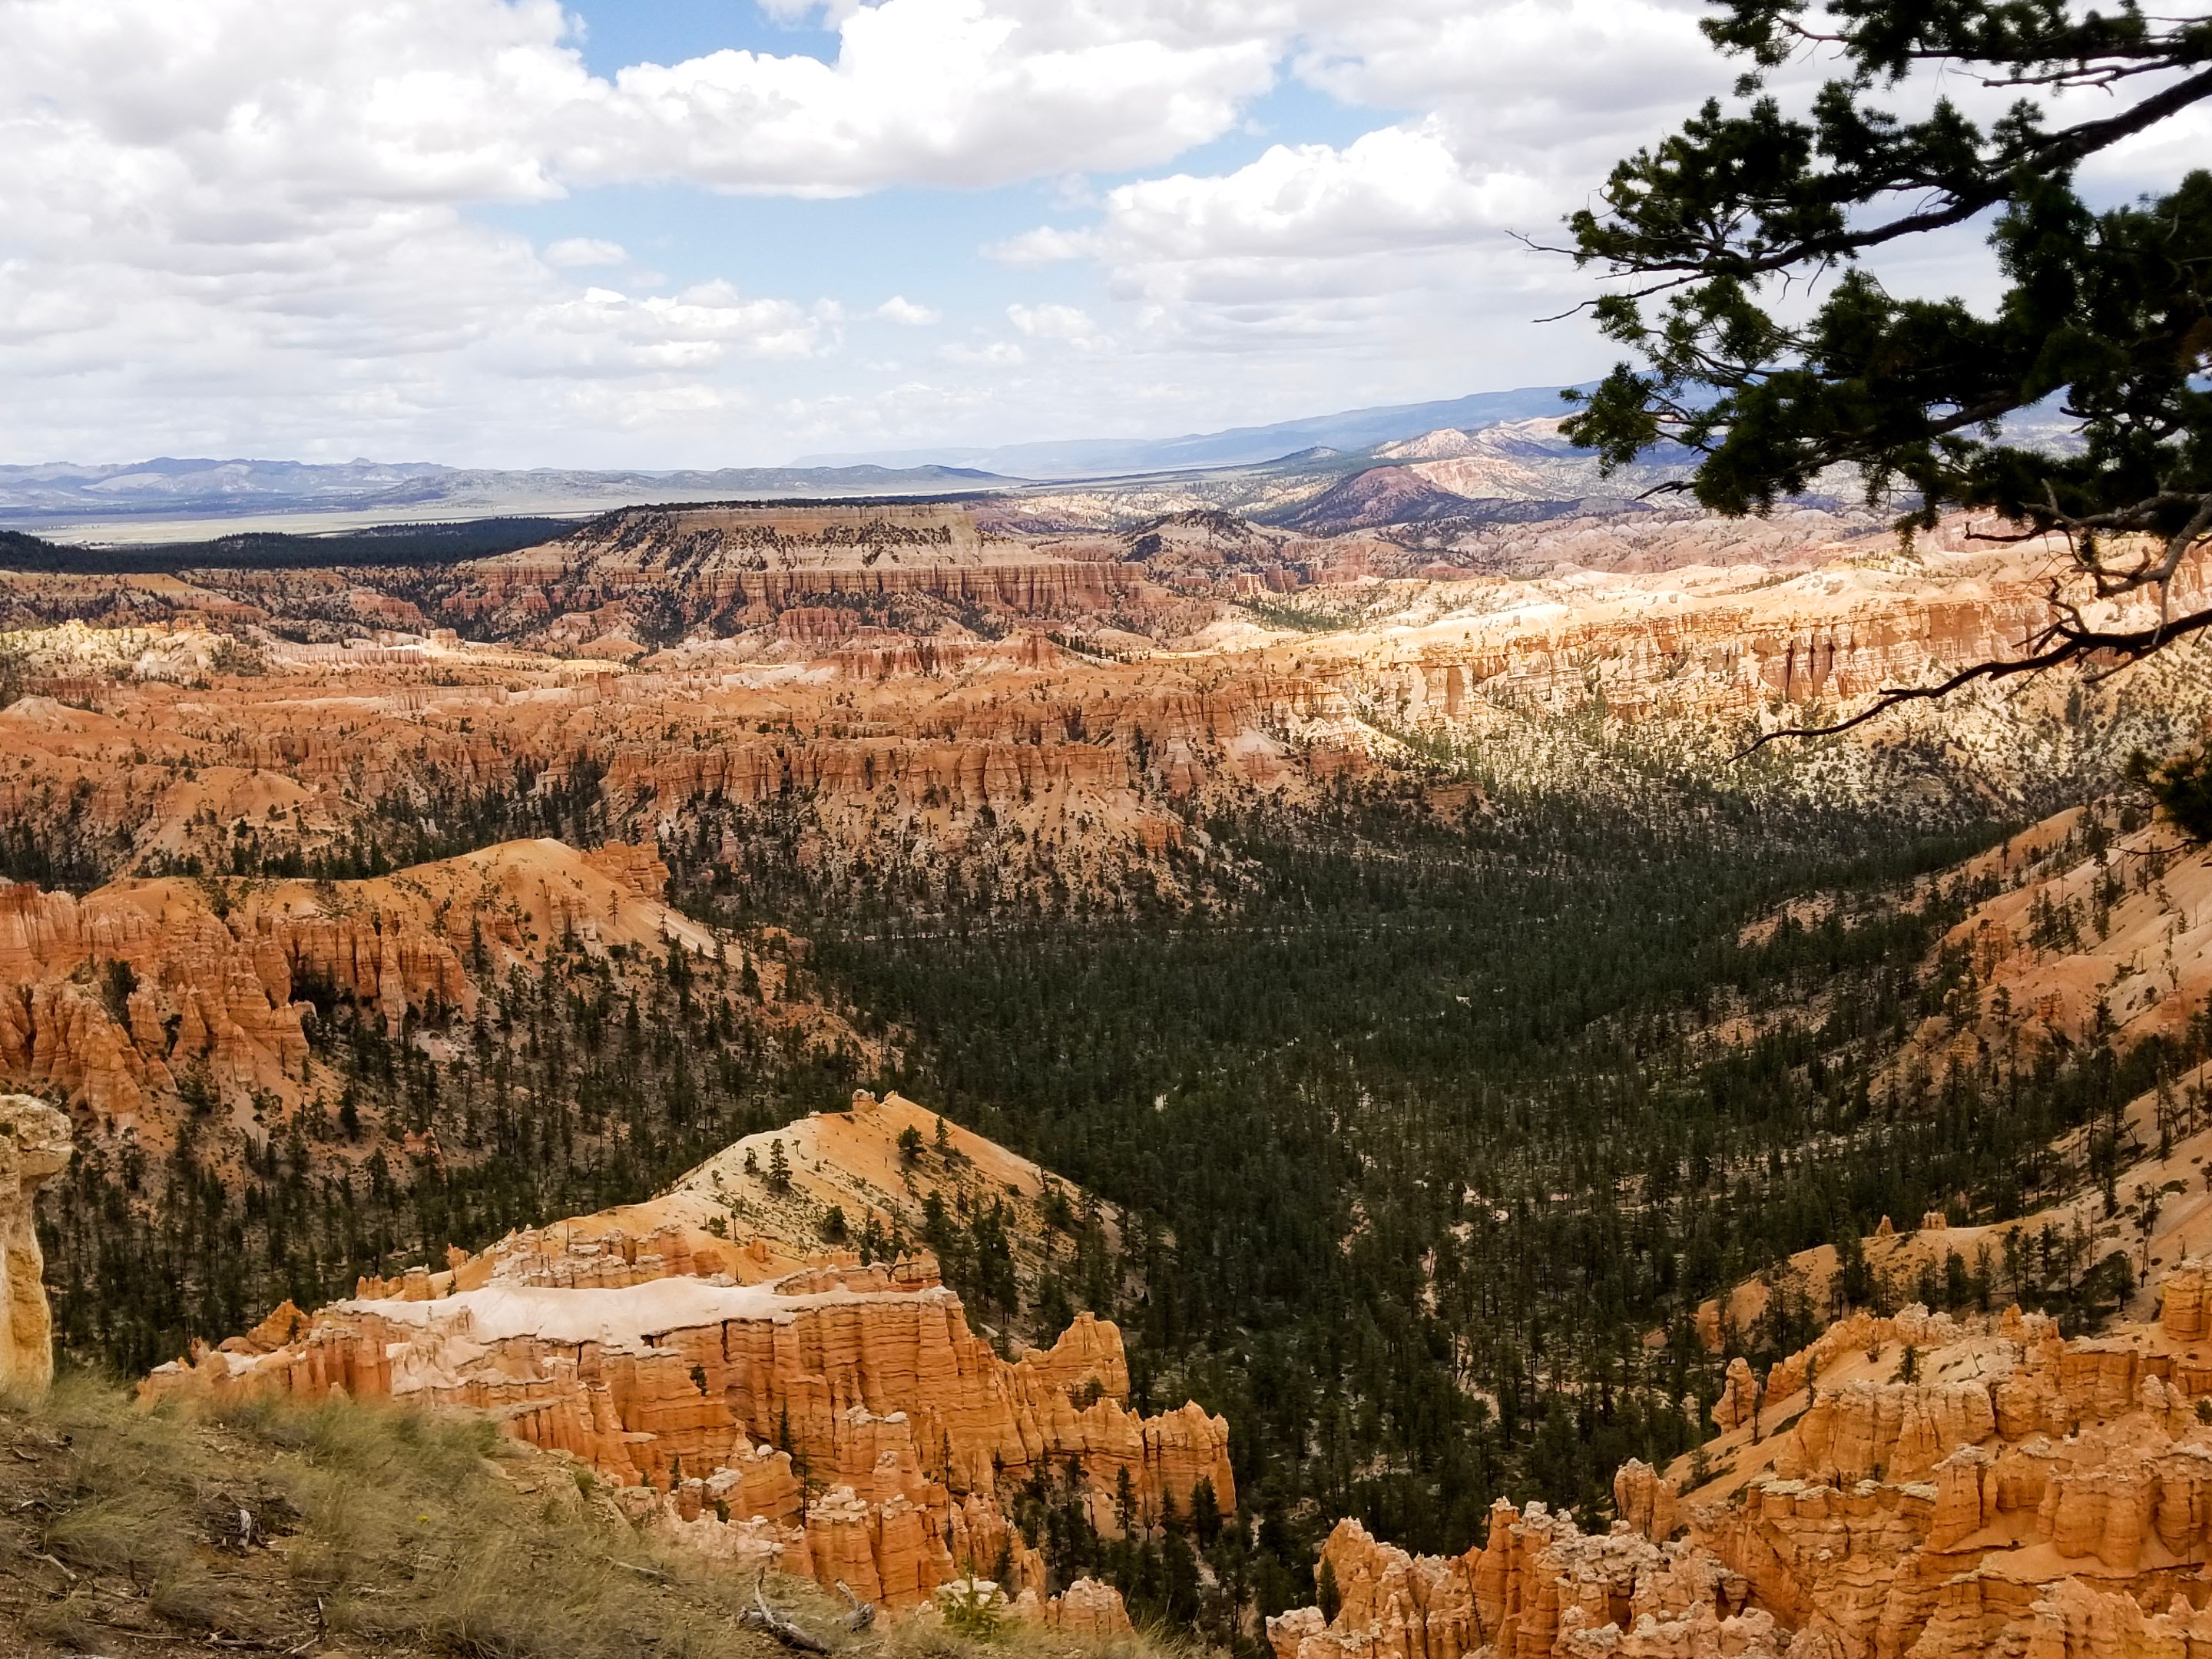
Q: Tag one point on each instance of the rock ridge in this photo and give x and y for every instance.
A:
(840, 1421)
(2021, 1493)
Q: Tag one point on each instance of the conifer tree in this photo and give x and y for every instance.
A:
(2108, 312)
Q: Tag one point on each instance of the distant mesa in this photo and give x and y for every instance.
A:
(57, 496)
(1510, 437)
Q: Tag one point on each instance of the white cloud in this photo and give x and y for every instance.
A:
(1057, 322)
(994, 354)
(944, 92)
(1046, 244)
(241, 225)
(899, 309)
(1392, 246)
(1392, 189)
(249, 223)
(1531, 75)
(581, 252)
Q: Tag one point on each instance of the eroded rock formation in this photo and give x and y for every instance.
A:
(119, 994)
(2022, 1494)
(1538, 1586)
(903, 668)
(840, 1421)
(35, 1145)
(1085, 1607)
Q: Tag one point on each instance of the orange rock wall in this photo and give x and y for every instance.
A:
(222, 991)
(856, 1426)
(2026, 1495)
(34, 1147)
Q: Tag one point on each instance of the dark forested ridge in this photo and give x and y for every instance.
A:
(379, 547)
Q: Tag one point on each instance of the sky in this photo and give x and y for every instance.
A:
(704, 233)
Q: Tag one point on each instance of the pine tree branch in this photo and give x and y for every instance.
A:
(2056, 152)
(2074, 644)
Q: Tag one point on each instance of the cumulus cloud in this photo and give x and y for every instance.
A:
(899, 309)
(1392, 188)
(1406, 242)
(944, 92)
(994, 354)
(581, 252)
(1534, 77)
(1405, 234)
(1057, 322)
(1390, 247)
(254, 224)
(1046, 244)
(230, 222)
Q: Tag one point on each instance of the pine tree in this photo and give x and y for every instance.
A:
(2104, 314)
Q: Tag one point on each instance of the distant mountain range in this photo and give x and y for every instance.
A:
(58, 494)
(1478, 458)
(1242, 446)
(106, 500)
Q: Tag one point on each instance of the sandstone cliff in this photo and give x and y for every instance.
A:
(851, 683)
(2023, 1494)
(769, 560)
(35, 1145)
(117, 995)
(840, 1421)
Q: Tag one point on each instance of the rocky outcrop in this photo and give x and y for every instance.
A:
(121, 995)
(842, 1421)
(1740, 1396)
(2021, 1494)
(852, 1160)
(1646, 1500)
(1537, 1586)
(1086, 1607)
(34, 1145)
(2184, 1311)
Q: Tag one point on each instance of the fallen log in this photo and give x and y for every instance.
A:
(762, 1617)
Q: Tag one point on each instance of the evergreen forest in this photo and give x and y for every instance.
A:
(1425, 1149)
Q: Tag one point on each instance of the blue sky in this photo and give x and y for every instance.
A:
(731, 232)
(926, 245)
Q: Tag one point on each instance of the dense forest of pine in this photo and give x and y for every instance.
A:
(1422, 1144)
(590, 1082)
(1415, 1144)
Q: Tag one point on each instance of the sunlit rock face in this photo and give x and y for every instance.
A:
(2021, 1493)
(840, 1421)
(34, 1145)
(126, 990)
(898, 670)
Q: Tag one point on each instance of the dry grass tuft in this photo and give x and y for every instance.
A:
(368, 1530)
